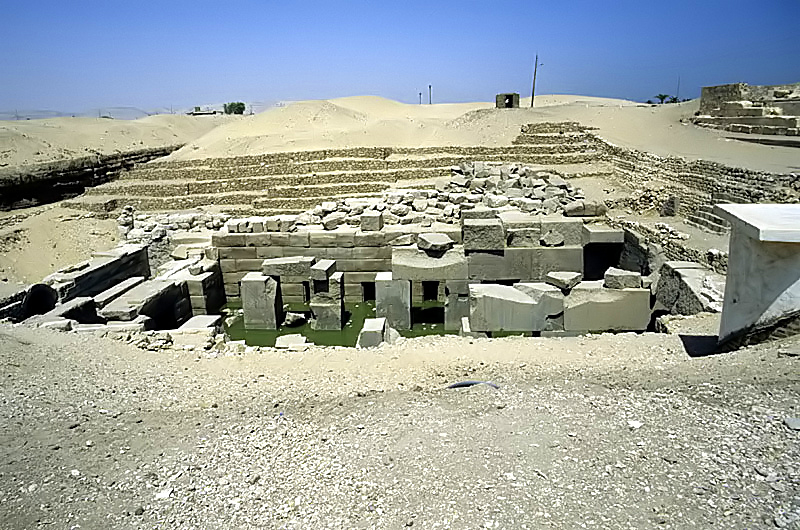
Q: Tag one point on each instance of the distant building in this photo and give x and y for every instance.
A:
(507, 101)
(206, 112)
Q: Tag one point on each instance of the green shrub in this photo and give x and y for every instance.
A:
(237, 107)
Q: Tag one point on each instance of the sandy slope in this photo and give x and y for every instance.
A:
(372, 121)
(32, 141)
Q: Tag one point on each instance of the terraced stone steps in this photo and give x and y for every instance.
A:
(295, 181)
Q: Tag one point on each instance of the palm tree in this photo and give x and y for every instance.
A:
(661, 97)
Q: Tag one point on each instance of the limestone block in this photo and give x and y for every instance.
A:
(585, 208)
(323, 269)
(328, 312)
(601, 233)
(434, 242)
(465, 330)
(372, 253)
(479, 212)
(299, 239)
(371, 221)
(336, 285)
(571, 229)
(564, 280)
(289, 266)
(763, 267)
(484, 234)
(104, 298)
(687, 288)
(410, 263)
(516, 220)
(237, 252)
(369, 239)
(393, 300)
(622, 279)
(261, 301)
(568, 259)
(372, 333)
(494, 307)
(488, 266)
(523, 237)
(521, 264)
(549, 304)
(333, 220)
(456, 304)
(592, 307)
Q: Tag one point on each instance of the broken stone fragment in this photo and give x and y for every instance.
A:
(434, 242)
(552, 239)
(622, 279)
(563, 280)
(334, 220)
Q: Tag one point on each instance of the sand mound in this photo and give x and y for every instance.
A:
(33, 141)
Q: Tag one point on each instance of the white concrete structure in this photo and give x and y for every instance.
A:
(763, 284)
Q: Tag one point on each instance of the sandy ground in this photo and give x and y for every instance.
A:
(32, 141)
(608, 431)
(35, 242)
(373, 121)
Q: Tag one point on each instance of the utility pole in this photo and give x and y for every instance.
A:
(678, 92)
(533, 88)
(430, 92)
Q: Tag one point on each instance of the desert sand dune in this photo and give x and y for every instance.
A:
(365, 121)
(33, 141)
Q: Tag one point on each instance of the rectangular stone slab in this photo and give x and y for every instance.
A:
(494, 307)
(592, 307)
(410, 263)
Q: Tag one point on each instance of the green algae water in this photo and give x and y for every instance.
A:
(427, 318)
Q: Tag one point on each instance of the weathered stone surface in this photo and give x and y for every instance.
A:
(371, 221)
(323, 269)
(570, 228)
(551, 238)
(333, 220)
(601, 233)
(372, 333)
(327, 312)
(288, 266)
(622, 279)
(261, 301)
(549, 301)
(410, 263)
(592, 307)
(763, 267)
(465, 330)
(585, 208)
(563, 279)
(494, 307)
(484, 234)
(560, 259)
(434, 242)
(687, 288)
(495, 201)
(393, 300)
(524, 237)
(488, 266)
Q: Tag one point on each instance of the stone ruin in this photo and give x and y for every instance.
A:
(498, 248)
(742, 108)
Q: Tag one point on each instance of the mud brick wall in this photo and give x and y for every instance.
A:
(700, 182)
(359, 255)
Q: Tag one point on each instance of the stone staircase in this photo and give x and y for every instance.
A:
(704, 217)
(292, 182)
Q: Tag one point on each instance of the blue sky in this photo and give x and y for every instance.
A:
(74, 55)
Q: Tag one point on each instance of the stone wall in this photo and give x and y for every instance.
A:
(699, 182)
(52, 181)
